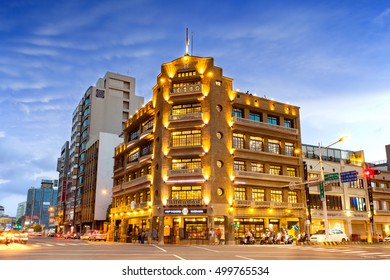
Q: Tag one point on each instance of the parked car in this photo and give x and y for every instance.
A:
(87, 236)
(98, 235)
(336, 235)
(386, 239)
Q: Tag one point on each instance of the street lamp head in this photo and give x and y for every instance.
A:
(343, 138)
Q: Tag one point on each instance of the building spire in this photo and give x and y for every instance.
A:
(187, 41)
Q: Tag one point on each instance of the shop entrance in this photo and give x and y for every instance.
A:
(242, 226)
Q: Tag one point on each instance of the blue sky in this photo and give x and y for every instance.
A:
(330, 58)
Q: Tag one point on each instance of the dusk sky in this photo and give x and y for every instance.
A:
(330, 58)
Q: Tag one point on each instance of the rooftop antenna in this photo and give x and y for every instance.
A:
(192, 43)
(187, 41)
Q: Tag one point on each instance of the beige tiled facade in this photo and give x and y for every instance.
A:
(201, 156)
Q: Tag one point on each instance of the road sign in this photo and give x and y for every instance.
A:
(331, 176)
(348, 176)
(322, 190)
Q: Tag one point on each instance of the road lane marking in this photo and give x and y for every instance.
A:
(207, 249)
(160, 248)
(180, 258)
(244, 257)
(354, 252)
(372, 254)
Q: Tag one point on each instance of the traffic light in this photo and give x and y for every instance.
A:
(369, 172)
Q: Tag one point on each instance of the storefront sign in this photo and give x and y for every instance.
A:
(185, 211)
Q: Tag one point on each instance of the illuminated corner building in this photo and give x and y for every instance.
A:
(202, 156)
(347, 202)
(97, 123)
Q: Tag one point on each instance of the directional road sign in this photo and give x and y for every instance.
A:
(331, 176)
(348, 176)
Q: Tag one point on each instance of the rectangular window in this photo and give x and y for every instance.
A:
(258, 194)
(189, 163)
(273, 146)
(239, 113)
(239, 165)
(275, 170)
(276, 196)
(218, 83)
(256, 143)
(291, 172)
(289, 149)
(238, 141)
(239, 193)
(186, 138)
(133, 155)
(288, 123)
(148, 124)
(257, 167)
(292, 197)
(186, 109)
(253, 116)
(186, 74)
(134, 135)
(273, 120)
(186, 192)
(358, 203)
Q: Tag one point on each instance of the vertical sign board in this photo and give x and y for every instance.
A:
(322, 191)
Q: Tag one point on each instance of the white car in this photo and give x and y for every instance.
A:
(336, 235)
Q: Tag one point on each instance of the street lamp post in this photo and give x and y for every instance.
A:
(324, 206)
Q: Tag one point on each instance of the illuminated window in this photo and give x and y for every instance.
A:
(273, 146)
(256, 143)
(291, 171)
(276, 196)
(186, 74)
(258, 194)
(148, 125)
(191, 163)
(358, 204)
(186, 192)
(292, 197)
(186, 109)
(275, 170)
(133, 155)
(218, 83)
(238, 141)
(186, 138)
(239, 165)
(239, 193)
(289, 149)
(257, 167)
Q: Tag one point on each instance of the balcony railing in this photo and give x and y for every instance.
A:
(381, 190)
(266, 125)
(184, 202)
(382, 212)
(266, 176)
(197, 88)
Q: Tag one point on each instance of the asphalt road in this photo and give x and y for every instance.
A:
(49, 248)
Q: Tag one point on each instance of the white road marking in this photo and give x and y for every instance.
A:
(243, 257)
(159, 248)
(180, 258)
(207, 249)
